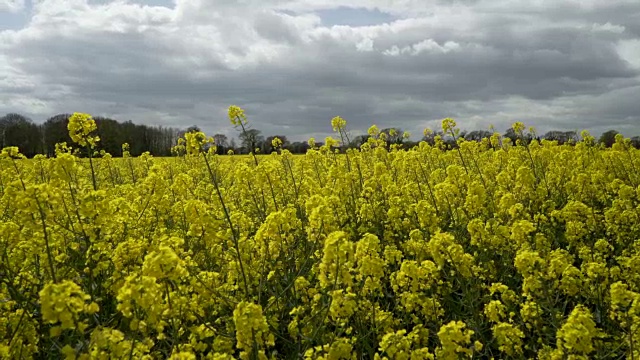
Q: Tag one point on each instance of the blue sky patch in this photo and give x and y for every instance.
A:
(354, 17)
(165, 3)
(16, 20)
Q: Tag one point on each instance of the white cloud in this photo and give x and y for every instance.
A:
(365, 45)
(12, 6)
(629, 50)
(608, 27)
(428, 46)
(552, 64)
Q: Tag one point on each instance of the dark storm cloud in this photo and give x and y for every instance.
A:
(553, 66)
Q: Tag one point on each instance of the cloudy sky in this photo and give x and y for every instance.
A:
(294, 64)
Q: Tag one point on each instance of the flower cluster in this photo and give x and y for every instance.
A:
(496, 248)
(81, 126)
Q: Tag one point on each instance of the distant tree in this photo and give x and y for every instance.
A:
(408, 144)
(221, 142)
(554, 135)
(608, 138)
(298, 147)
(561, 137)
(232, 145)
(111, 137)
(571, 136)
(55, 131)
(18, 130)
(431, 137)
(359, 140)
(477, 135)
(511, 134)
(192, 128)
(635, 142)
(462, 134)
(394, 135)
(31, 139)
(139, 137)
(164, 138)
(251, 139)
(267, 147)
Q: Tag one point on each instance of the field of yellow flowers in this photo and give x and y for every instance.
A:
(492, 249)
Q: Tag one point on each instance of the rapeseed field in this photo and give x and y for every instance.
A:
(490, 249)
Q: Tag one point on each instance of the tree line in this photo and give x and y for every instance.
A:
(608, 138)
(253, 139)
(31, 138)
